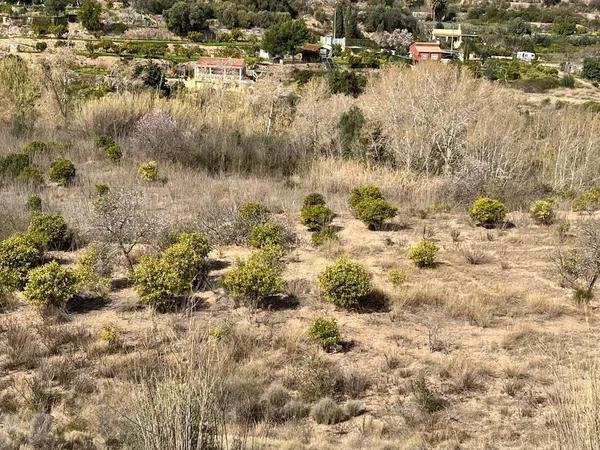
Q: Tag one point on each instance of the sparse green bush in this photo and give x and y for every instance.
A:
(316, 217)
(582, 296)
(369, 206)
(397, 276)
(148, 171)
(12, 164)
(31, 175)
(591, 68)
(345, 283)
(21, 253)
(424, 253)
(33, 203)
(542, 212)
(102, 189)
(269, 234)
(324, 332)
(488, 211)
(50, 286)
(103, 140)
(327, 234)
(113, 152)
(567, 81)
(62, 171)
(111, 149)
(362, 193)
(251, 214)
(93, 270)
(254, 280)
(426, 397)
(110, 335)
(50, 229)
(40, 147)
(158, 282)
(9, 283)
(327, 412)
(187, 255)
(587, 201)
(313, 199)
(180, 269)
(373, 212)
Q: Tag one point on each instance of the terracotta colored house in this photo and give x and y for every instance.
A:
(425, 51)
(311, 53)
(220, 68)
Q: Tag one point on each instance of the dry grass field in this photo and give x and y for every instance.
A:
(485, 350)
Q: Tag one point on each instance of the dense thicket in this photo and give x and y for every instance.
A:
(450, 134)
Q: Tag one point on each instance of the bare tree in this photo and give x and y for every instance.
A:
(120, 218)
(19, 93)
(59, 79)
(579, 267)
(317, 116)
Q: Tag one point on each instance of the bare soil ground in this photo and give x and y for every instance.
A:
(494, 339)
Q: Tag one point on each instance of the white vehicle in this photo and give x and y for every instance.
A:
(526, 56)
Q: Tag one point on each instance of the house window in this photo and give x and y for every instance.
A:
(435, 56)
(424, 55)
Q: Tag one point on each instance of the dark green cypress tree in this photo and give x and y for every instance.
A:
(338, 21)
(350, 24)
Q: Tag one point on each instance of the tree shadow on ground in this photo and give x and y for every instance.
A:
(81, 304)
(376, 301)
(281, 302)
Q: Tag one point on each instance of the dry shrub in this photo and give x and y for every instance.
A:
(353, 408)
(513, 387)
(330, 175)
(129, 366)
(240, 343)
(43, 431)
(14, 216)
(63, 338)
(61, 369)
(474, 308)
(326, 411)
(273, 401)
(181, 405)
(314, 377)
(394, 99)
(20, 346)
(576, 410)
(542, 304)
(114, 115)
(418, 297)
(463, 374)
(158, 135)
(473, 254)
(472, 151)
(525, 338)
(40, 392)
(245, 405)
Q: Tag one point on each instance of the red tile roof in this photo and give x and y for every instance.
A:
(235, 63)
(429, 47)
(311, 48)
